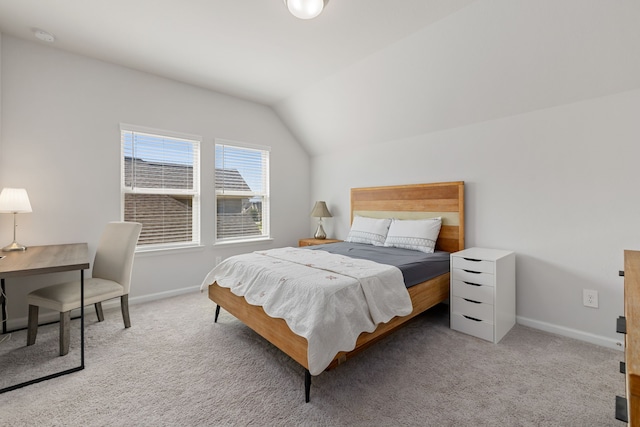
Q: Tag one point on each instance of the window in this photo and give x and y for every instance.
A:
(161, 186)
(242, 191)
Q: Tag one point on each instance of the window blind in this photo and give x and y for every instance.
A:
(160, 186)
(242, 191)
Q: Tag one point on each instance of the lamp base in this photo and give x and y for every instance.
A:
(320, 234)
(15, 246)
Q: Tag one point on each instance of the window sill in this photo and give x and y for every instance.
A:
(166, 250)
(243, 242)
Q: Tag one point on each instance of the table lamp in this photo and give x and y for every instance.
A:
(320, 211)
(14, 200)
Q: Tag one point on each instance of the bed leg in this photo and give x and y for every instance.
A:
(215, 320)
(307, 385)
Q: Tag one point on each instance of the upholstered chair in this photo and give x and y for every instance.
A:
(111, 278)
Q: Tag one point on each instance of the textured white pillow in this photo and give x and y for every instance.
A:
(417, 234)
(371, 231)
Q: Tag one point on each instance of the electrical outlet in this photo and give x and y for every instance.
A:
(590, 298)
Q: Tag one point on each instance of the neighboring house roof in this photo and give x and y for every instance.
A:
(177, 176)
(230, 179)
(174, 225)
(157, 175)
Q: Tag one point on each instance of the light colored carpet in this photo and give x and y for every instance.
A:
(176, 367)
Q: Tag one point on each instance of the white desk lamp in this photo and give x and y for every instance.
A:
(14, 200)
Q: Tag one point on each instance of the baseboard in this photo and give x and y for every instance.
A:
(148, 298)
(47, 316)
(572, 333)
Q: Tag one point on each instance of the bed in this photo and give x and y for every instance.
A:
(415, 201)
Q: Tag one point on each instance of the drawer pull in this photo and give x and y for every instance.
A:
(473, 272)
(621, 409)
(472, 259)
(621, 325)
(621, 273)
(472, 318)
(472, 284)
(470, 300)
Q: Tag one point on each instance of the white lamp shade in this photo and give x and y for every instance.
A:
(305, 9)
(320, 210)
(14, 200)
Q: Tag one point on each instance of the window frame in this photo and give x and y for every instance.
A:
(265, 195)
(194, 194)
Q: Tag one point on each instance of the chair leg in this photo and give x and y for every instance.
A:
(65, 320)
(32, 328)
(124, 305)
(99, 312)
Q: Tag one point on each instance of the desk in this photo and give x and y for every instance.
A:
(42, 260)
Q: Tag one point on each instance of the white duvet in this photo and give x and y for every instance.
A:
(326, 298)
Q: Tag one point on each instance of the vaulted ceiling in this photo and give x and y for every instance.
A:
(364, 71)
(252, 49)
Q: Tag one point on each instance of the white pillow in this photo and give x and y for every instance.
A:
(417, 234)
(371, 231)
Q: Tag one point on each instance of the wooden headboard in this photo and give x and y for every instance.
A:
(417, 201)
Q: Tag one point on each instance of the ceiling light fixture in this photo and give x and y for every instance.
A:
(44, 36)
(305, 9)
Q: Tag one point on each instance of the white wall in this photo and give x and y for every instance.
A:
(557, 186)
(0, 97)
(492, 59)
(61, 140)
(535, 105)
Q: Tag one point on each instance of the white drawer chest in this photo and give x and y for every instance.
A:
(483, 292)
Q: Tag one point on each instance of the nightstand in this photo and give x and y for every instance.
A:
(313, 242)
(483, 292)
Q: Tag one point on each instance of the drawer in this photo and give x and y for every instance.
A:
(471, 277)
(474, 292)
(477, 310)
(473, 264)
(477, 328)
